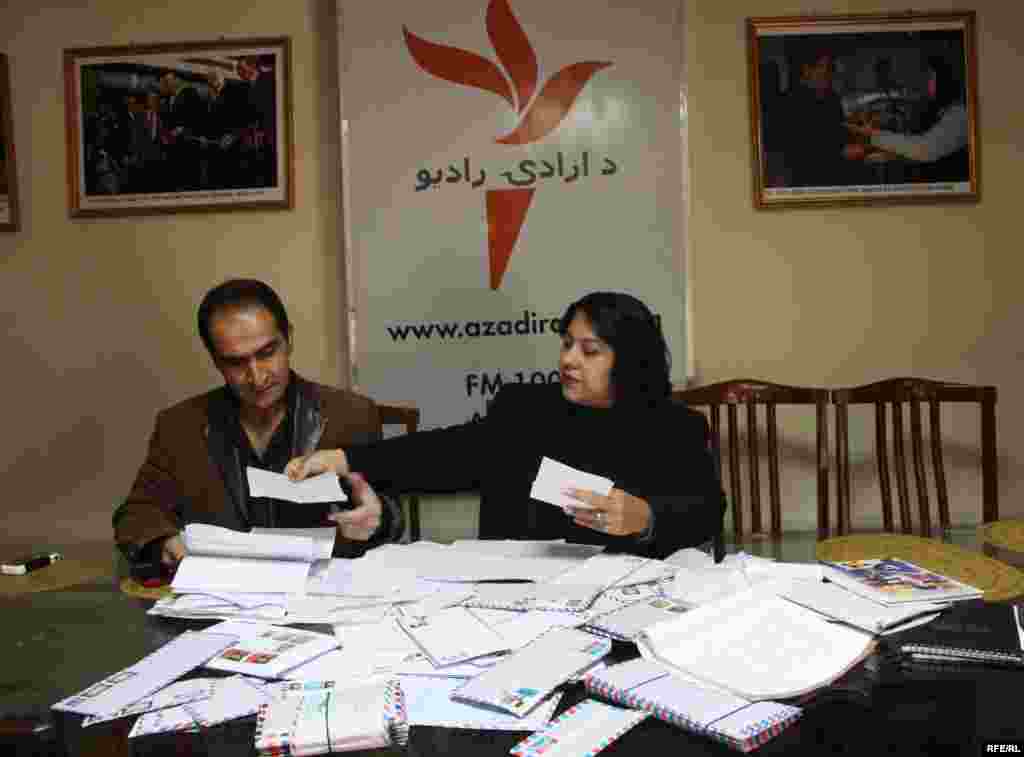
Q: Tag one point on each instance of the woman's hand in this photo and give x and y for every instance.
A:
(618, 514)
(321, 461)
(362, 522)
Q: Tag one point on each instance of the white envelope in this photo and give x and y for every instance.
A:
(554, 477)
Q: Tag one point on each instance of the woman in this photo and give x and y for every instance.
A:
(944, 140)
(610, 416)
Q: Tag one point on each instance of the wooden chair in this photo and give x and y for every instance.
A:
(407, 416)
(751, 394)
(889, 398)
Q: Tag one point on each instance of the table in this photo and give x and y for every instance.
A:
(59, 642)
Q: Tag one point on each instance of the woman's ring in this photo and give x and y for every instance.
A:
(599, 519)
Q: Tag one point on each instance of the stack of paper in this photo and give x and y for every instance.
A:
(700, 580)
(834, 601)
(267, 576)
(321, 717)
(468, 653)
(221, 560)
(747, 643)
(439, 562)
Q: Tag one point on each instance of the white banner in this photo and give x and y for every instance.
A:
(502, 159)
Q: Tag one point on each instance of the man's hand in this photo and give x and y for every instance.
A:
(172, 551)
(618, 514)
(362, 522)
(321, 461)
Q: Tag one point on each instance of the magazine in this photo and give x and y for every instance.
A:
(893, 581)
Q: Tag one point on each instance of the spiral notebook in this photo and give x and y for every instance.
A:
(643, 685)
(976, 632)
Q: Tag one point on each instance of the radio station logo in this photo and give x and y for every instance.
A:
(514, 78)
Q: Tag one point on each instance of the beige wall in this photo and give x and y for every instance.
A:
(98, 314)
(847, 296)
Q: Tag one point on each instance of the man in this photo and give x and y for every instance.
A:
(223, 119)
(263, 416)
(181, 114)
(815, 135)
(141, 152)
(258, 150)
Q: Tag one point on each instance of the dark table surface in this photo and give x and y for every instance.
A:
(59, 642)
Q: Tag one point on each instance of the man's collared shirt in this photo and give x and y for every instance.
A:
(266, 511)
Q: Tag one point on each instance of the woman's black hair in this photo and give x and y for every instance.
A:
(241, 293)
(640, 372)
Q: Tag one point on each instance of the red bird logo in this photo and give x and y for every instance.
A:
(539, 115)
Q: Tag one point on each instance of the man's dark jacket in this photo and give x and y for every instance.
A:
(194, 470)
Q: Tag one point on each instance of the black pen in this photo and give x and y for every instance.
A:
(23, 565)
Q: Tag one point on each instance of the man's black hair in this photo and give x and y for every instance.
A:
(241, 294)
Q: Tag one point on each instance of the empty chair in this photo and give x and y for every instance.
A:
(752, 395)
(889, 398)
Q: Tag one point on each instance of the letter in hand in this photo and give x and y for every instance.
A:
(618, 514)
(360, 523)
(172, 551)
(318, 462)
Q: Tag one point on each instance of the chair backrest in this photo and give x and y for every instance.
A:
(752, 393)
(407, 416)
(889, 398)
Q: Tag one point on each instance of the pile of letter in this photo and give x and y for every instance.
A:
(482, 635)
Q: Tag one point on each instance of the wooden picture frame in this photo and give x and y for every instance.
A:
(196, 126)
(863, 108)
(9, 218)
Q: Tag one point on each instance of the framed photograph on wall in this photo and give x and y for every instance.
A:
(864, 108)
(179, 127)
(8, 174)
